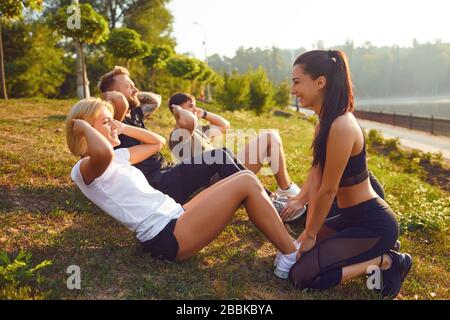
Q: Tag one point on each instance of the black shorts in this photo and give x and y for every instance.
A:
(164, 245)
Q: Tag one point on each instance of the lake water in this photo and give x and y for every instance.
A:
(422, 106)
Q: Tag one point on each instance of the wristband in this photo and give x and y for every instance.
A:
(205, 113)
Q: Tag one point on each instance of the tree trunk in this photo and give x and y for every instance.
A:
(152, 79)
(83, 70)
(82, 82)
(112, 14)
(2, 66)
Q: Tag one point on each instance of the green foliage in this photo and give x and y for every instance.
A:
(376, 71)
(282, 94)
(252, 90)
(375, 138)
(275, 61)
(183, 67)
(152, 20)
(261, 91)
(18, 279)
(127, 44)
(411, 161)
(34, 64)
(418, 207)
(233, 91)
(11, 9)
(93, 27)
(207, 75)
(392, 144)
(54, 218)
(158, 56)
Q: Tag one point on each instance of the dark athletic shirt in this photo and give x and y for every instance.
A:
(150, 165)
(356, 170)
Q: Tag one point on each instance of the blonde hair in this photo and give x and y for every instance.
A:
(87, 109)
(106, 80)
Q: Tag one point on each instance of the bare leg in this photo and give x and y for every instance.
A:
(208, 213)
(263, 145)
(355, 270)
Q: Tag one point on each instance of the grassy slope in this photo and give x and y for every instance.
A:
(42, 212)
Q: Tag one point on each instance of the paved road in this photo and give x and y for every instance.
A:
(411, 138)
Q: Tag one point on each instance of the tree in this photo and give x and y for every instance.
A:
(127, 44)
(282, 95)
(12, 9)
(33, 60)
(157, 59)
(233, 91)
(93, 30)
(152, 20)
(184, 67)
(261, 91)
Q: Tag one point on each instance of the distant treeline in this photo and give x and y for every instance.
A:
(377, 72)
(37, 58)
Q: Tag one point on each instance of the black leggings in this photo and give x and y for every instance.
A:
(183, 180)
(357, 234)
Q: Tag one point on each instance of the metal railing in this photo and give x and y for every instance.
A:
(433, 125)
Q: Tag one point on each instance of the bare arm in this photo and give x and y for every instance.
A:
(151, 142)
(185, 119)
(311, 185)
(219, 125)
(314, 179)
(99, 149)
(339, 148)
(309, 188)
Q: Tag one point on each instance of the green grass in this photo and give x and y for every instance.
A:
(41, 212)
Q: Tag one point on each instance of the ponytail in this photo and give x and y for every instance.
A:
(338, 98)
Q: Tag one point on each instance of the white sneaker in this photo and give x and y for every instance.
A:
(277, 257)
(285, 264)
(280, 202)
(292, 191)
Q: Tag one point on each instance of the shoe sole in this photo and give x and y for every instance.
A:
(297, 215)
(281, 274)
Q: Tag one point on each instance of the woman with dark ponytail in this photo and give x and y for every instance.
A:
(365, 231)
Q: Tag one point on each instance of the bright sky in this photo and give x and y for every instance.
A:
(290, 24)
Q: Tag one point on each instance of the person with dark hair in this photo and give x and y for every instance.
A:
(365, 230)
(165, 229)
(179, 181)
(191, 139)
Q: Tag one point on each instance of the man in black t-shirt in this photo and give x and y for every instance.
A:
(178, 181)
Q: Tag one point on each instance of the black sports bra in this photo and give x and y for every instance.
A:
(356, 170)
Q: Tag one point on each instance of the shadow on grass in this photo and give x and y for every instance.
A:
(57, 117)
(114, 266)
(44, 199)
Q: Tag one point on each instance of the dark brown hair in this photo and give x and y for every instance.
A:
(179, 98)
(338, 98)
